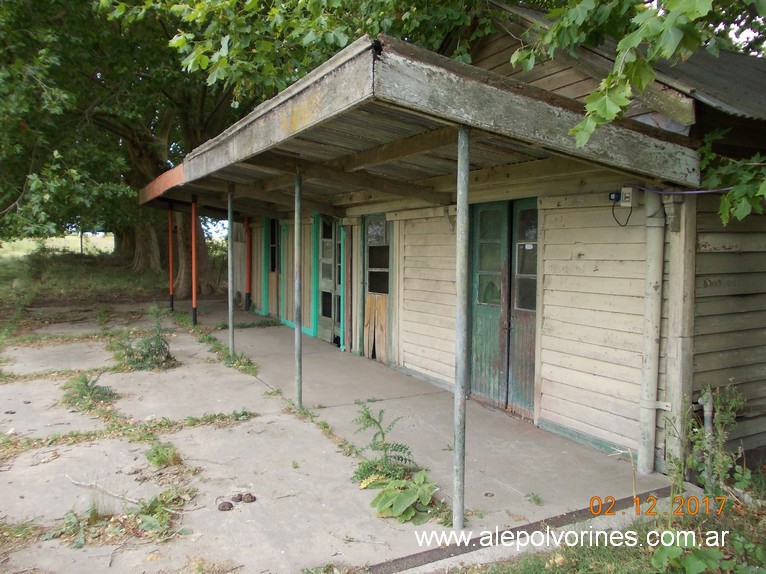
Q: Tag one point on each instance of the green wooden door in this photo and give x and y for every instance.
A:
(489, 303)
(523, 304)
(503, 303)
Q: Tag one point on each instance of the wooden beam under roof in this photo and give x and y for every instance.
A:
(364, 180)
(397, 150)
(278, 198)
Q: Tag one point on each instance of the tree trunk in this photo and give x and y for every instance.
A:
(147, 253)
(206, 283)
(124, 242)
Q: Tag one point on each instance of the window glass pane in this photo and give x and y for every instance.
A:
(378, 282)
(376, 232)
(326, 304)
(327, 249)
(527, 227)
(377, 257)
(489, 257)
(489, 289)
(489, 224)
(326, 230)
(327, 271)
(526, 257)
(526, 293)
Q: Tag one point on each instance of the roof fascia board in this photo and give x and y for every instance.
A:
(340, 84)
(160, 184)
(414, 79)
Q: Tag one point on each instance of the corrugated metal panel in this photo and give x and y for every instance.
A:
(733, 83)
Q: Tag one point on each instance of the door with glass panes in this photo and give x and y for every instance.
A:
(329, 282)
(503, 303)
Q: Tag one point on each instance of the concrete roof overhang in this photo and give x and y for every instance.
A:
(379, 121)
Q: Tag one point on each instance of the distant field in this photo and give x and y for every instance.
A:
(90, 244)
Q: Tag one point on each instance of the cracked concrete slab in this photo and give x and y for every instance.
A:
(27, 360)
(36, 484)
(33, 409)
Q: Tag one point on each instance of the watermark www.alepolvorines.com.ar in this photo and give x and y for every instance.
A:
(548, 538)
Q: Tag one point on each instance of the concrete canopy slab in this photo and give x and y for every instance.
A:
(36, 484)
(32, 409)
(69, 356)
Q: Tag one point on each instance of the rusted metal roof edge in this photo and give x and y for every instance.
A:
(161, 184)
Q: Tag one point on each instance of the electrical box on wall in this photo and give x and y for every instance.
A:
(628, 197)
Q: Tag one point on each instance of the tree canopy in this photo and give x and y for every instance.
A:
(97, 97)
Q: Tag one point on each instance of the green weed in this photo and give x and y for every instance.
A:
(150, 352)
(83, 393)
(163, 454)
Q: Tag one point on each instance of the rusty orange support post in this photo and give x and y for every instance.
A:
(248, 264)
(194, 258)
(170, 253)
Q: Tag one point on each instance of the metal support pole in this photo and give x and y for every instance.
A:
(298, 295)
(230, 267)
(170, 253)
(248, 265)
(194, 258)
(461, 326)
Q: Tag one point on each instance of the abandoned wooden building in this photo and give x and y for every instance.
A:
(601, 293)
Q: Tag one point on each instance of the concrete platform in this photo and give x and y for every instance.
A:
(308, 511)
(28, 360)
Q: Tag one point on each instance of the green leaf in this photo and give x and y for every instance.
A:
(420, 518)
(149, 523)
(405, 500)
(669, 40)
(583, 131)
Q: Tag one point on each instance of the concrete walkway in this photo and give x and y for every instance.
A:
(308, 511)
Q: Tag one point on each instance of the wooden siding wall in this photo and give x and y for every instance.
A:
(730, 314)
(306, 265)
(427, 305)
(592, 318)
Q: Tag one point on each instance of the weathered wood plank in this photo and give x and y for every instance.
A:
(711, 263)
(432, 239)
(592, 318)
(615, 303)
(431, 226)
(429, 368)
(732, 375)
(726, 305)
(635, 234)
(629, 358)
(730, 284)
(434, 287)
(602, 285)
(731, 340)
(597, 252)
(591, 421)
(427, 342)
(445, 358)
(610, 376)
(729, 323)
(731, 242)
(430, 262)
(596, 268)
(581, 396)
(730, 358)
(430, 273)
(421, 318)
(410, 77)
(592, 335)
(412, 294)
(589, 218)
(711, 222)
(429, 250)
(430, 303)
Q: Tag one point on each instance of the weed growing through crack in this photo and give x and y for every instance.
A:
(150, 352)
(84, 393)
(273, 393)
(17, 535)
(534, 498)
(163, 454)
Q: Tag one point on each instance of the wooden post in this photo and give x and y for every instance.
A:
(298, 295)
(461, 326)
(170, 253)
(230, 265)
(194, 258)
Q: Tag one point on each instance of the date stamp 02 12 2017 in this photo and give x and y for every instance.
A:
(681, 506)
